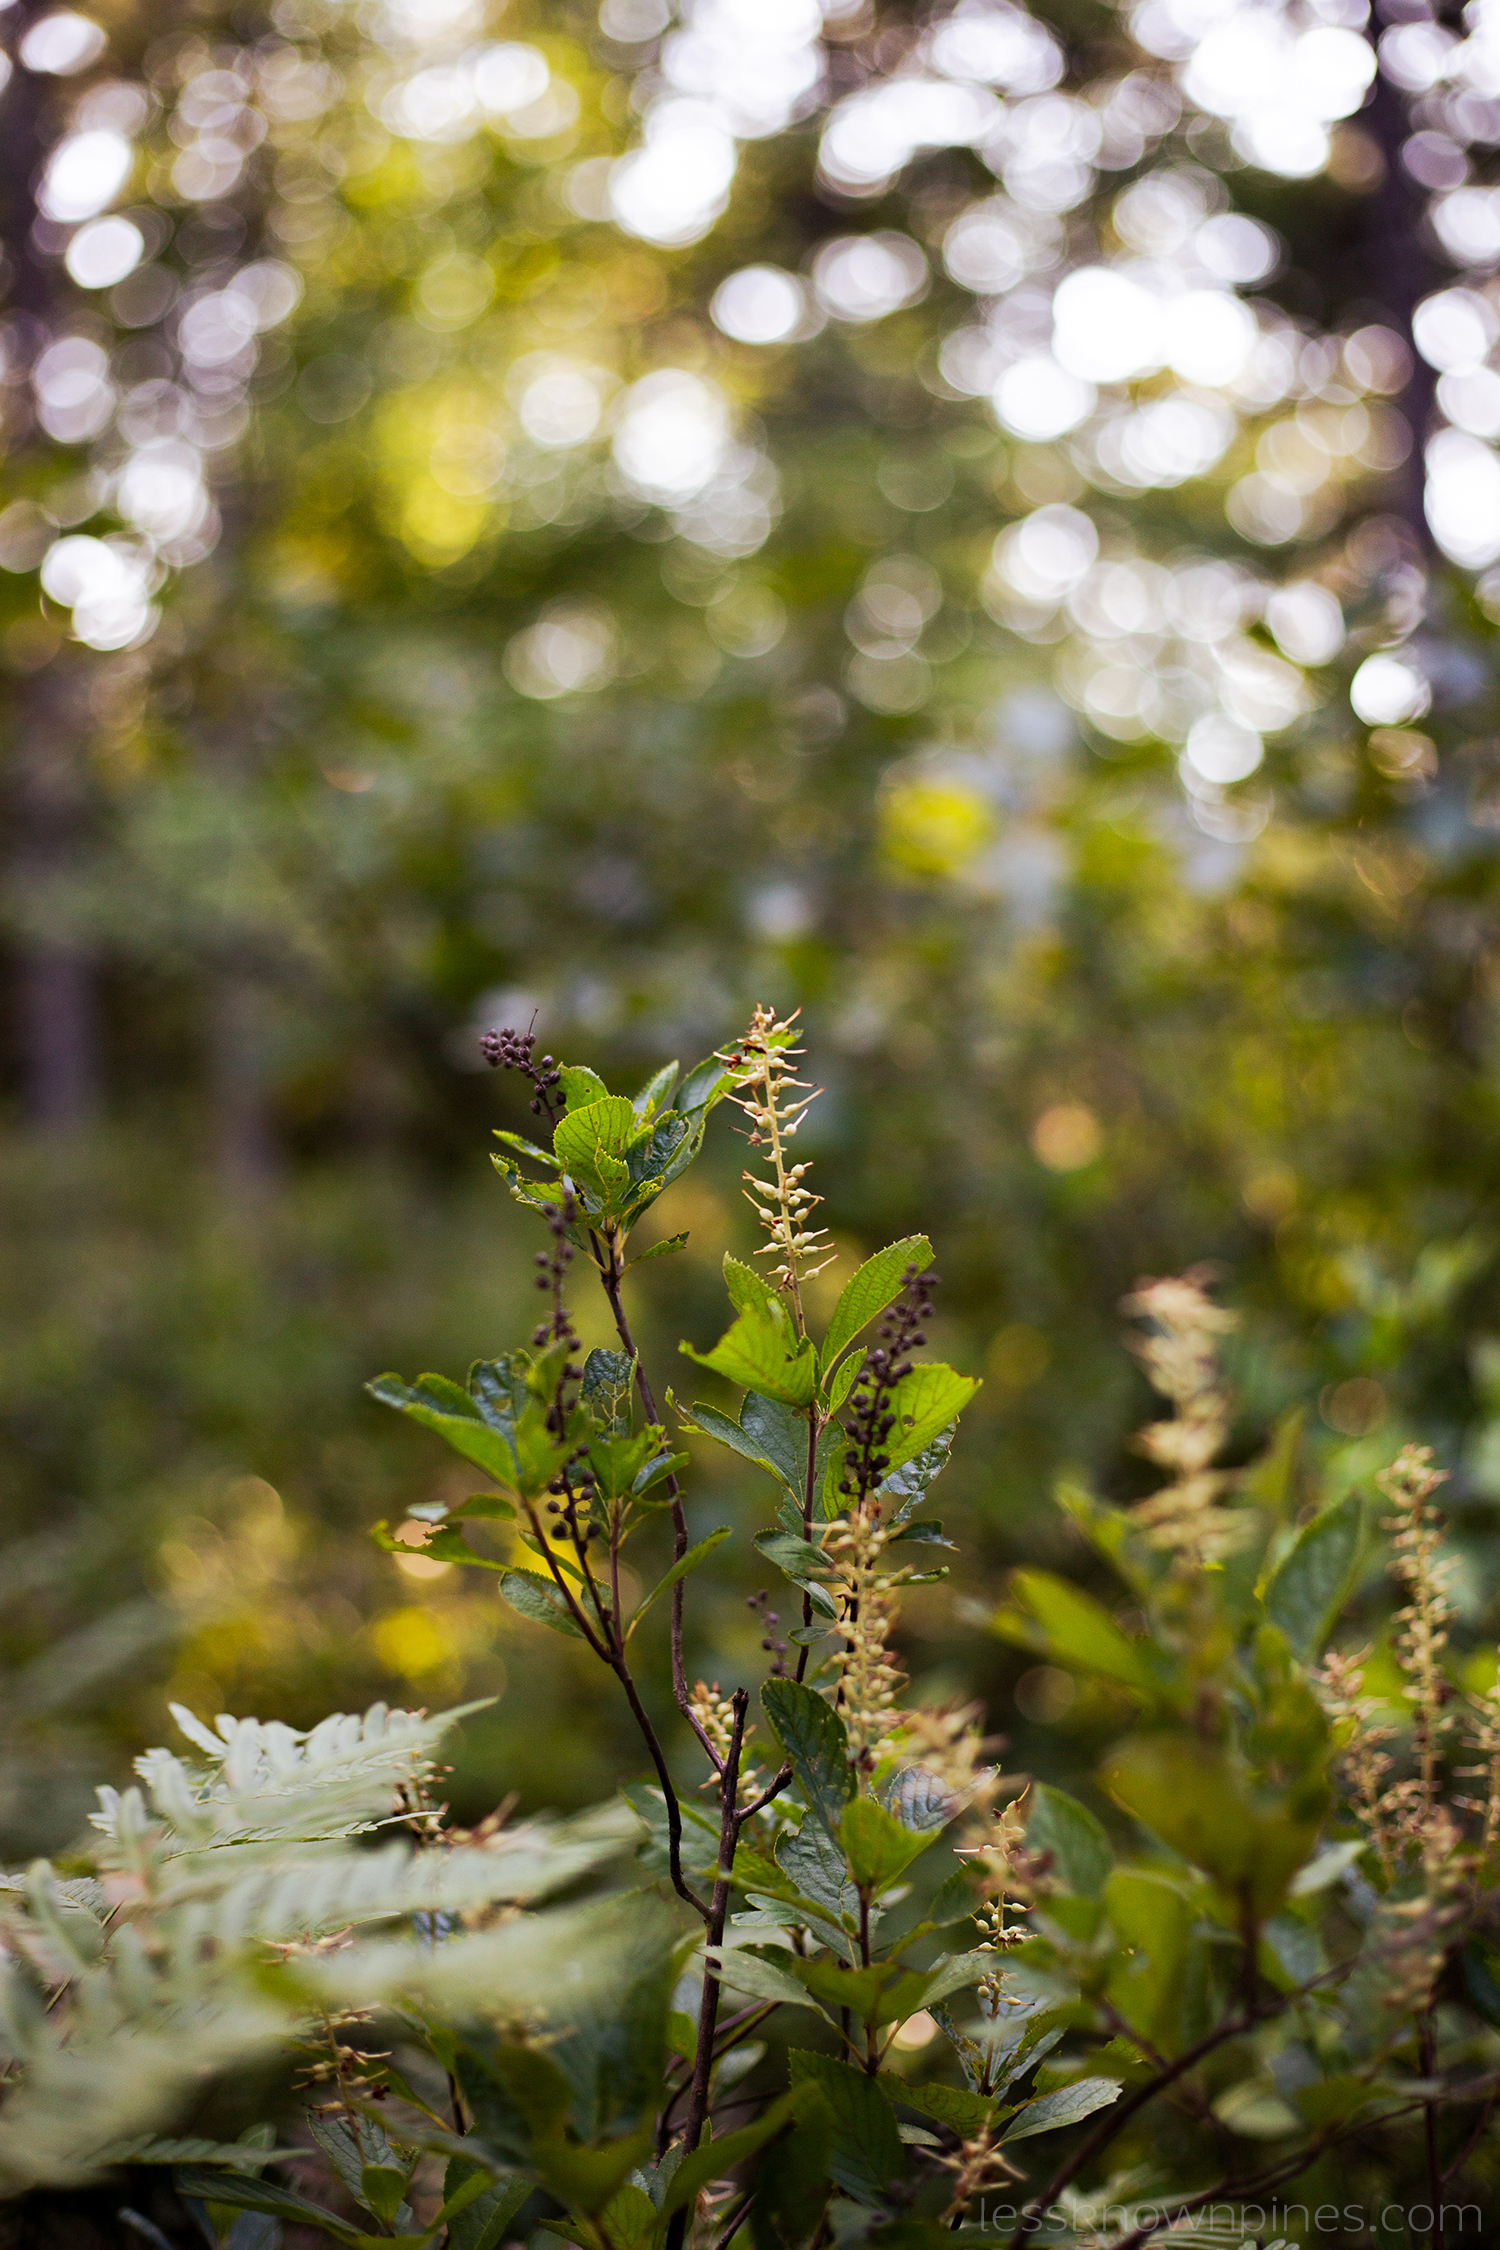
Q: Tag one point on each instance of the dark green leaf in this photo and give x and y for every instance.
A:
(263, 2195)
(816, 1867)
(963, 2112)
(1068, 2106)
(1080, 1852)
(816, 1745)
(704, 2165)
(482, 2223)
(866, 2157)
(539, 1600)
(1312, 1581)
(803, 1563)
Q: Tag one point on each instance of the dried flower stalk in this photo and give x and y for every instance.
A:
(1179, 1353)
(775, 1101)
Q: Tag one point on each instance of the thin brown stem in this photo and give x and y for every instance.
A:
(708, 2012)
(1115, 2120)
(611, 1274)
(1428, 2045)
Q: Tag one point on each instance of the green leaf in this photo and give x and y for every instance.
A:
(704, 1087)
(878, 1846)
(1068, 2106)
(662, 1249)
(802, 1562)
(1312, 1581)
(816, 1744)
(539, 1600)
(816, 1868)
(1071, 1628)
(1080, 1851)
(383, 2187)
(919, 1800)
(591, 1143)
(866, 2157)
(963, 2112)
(763, 1352)
(442, 1407)
(655, 1094)
(585, 2178)
(481, 2222)
(148, 2149)
(712, 2162)
(748, 1289)
(760, 1973)
(264, 2195)
(581, 1087)
(924, 1403)
(523, 1147)
(680, 1569)
(869, 1290)
(1196, 1796)
(608, 1378)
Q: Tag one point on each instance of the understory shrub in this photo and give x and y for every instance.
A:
(821, 1975)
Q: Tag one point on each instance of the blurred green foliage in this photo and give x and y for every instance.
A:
(288, 856)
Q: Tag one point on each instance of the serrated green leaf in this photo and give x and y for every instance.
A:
(816, 1744)
(656, 1093)
(1068, 2106)
(877, 1846)
(479, 2223)
(866, 2157)
(1076, 1842)
(539, 1601)
(662, 1249)
(816, 1868)
(763, 1352)
(264, 2195)
(581, 1087)
(799, 1560)
(919, 1800)
(868, 1291)
(608, 1378)
(591, 1143)
(965, 2113)
(924, 1403)
(1312, 1581)
(759, 1974)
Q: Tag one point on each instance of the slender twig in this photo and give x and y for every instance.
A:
(1428, 2049)
(735, 2220)
(773, 1789)
(1473, 2142)
(611, 1273)
(1233, 2027)
(703, 2062)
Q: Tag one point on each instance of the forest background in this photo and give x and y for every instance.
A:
(978, 525)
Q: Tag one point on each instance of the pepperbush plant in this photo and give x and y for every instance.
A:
(1262, 1959)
